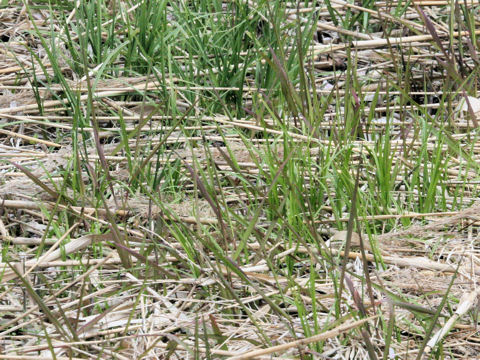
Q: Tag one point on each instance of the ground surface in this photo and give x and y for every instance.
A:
(239, 179)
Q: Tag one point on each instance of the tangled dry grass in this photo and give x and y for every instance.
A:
(146, 214)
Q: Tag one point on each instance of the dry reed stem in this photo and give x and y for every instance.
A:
(302, 342)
